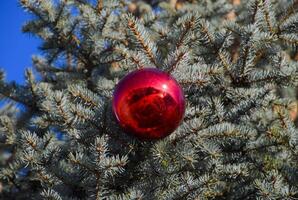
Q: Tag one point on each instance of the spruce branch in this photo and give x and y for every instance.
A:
(290, 14)
(50, 194)
(178, 58)
(99, 5)
(142, 37)
(266, 8)
(85, 96)
(130, 55)
(188, 26)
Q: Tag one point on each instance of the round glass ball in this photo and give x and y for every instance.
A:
(148, 103)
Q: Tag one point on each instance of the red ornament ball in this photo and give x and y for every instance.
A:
(148, 103)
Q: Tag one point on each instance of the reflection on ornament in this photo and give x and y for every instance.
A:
(148, 103)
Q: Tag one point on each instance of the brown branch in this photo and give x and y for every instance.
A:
(69, 61)
(226, 65)
(267, 18)
(260, 80)
(287, 40)
(174, 65)
(32, 144)
(224, 61)
(131, 57)
(132, 26)
(258, 56)
(76, 93)
(255, 11)
(188, 26)
(63, 114)
(206, 32)
(290, 12)
(99, 6)
(275, 144)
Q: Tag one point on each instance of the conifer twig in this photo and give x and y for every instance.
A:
(99, 5)
(133, 27)
(189, 25)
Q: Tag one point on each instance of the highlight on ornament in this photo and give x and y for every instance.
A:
(148, 103)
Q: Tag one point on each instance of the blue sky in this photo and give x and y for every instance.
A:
(16, 48)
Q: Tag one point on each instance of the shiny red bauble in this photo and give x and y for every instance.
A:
(148, 103)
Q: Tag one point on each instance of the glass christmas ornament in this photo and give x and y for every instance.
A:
(148, 103)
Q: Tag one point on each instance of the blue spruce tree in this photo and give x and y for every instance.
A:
(236, 62)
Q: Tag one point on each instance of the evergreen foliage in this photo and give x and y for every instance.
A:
(237, 140)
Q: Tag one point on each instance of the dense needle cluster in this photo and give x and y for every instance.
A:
(234, 60)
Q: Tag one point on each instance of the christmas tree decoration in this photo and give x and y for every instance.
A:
(148, 103)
